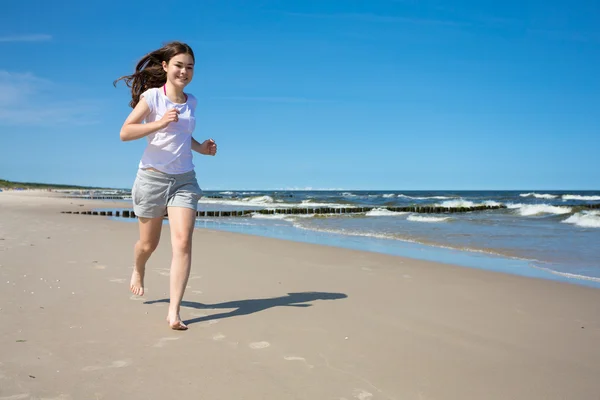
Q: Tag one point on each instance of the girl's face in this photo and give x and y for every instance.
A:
(180, 70)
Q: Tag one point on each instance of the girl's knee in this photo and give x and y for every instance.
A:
(182, 244)
(147, 247)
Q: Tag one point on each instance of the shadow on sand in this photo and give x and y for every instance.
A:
(250, 306)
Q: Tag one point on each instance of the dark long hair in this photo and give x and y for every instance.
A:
(149, 72)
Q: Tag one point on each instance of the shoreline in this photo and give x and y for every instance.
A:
(430, 252)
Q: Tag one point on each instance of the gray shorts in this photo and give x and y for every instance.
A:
(154, 191)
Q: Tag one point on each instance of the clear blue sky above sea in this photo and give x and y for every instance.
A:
(315, 94)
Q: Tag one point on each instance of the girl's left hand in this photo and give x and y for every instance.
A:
(208, 147)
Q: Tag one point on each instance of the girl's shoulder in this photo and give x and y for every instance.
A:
(191, 99)
(151, 95)
(151, 92)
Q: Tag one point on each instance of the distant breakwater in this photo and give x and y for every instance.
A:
(129, 213)
(308, 210)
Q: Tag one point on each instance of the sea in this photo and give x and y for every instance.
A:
(541, 234)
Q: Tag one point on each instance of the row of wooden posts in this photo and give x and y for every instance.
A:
(321, 210)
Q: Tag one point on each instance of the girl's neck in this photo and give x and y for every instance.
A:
(174, 94)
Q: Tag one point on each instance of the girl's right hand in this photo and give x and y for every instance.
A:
(170, 116)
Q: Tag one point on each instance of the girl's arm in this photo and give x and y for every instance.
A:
(208, 147)
(133, 128)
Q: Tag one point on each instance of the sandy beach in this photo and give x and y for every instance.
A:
(273, 319)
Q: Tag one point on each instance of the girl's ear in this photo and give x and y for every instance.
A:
(164, 65)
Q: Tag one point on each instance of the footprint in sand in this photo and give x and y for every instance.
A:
(136, 297)
(99, 266)
(16, 396)
(115, 364)
(197, 291)
(218, 336)
(59, 397)
(259, 345)
(362, 394)
(118, 280)
(163, 341)
(294, 358)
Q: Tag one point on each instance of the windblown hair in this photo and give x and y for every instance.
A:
(149, 72)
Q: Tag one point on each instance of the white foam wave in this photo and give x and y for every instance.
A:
(456, 203)
(259, 200)
(310, 204)
(424, 198)
(247, 201)
(382, 212)
(585, 219)
(268, 202)
(283, 217)
(420, 218)
(270, 216)
(303, 215)
(539, 196)
(528, 210)
(387, 196)
(492, 203)
(467, 203)
(579, 197)
(567, 274)
(225, 192)
(205, 200)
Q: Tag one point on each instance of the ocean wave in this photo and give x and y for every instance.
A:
(424, 198)
(382, 212)
(311, 204)
(579, 197)
(455, 203)
(246, 201)
(270, 216)
(567, 274)
(466, 203)
(390, 236)
(492, 203)
(539, 196)
(420, 218)
(528, 210)
(269, 202)
(258, 200)
(585, 219)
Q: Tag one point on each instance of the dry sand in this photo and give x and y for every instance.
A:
(273, 319)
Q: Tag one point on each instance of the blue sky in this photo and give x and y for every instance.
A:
(315, 94)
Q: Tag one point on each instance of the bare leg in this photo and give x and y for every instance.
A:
(149, 237)
(181, 221)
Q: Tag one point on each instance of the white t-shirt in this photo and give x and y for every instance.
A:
(169, 150)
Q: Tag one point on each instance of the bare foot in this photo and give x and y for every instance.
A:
(137, 281)
(176, 324)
